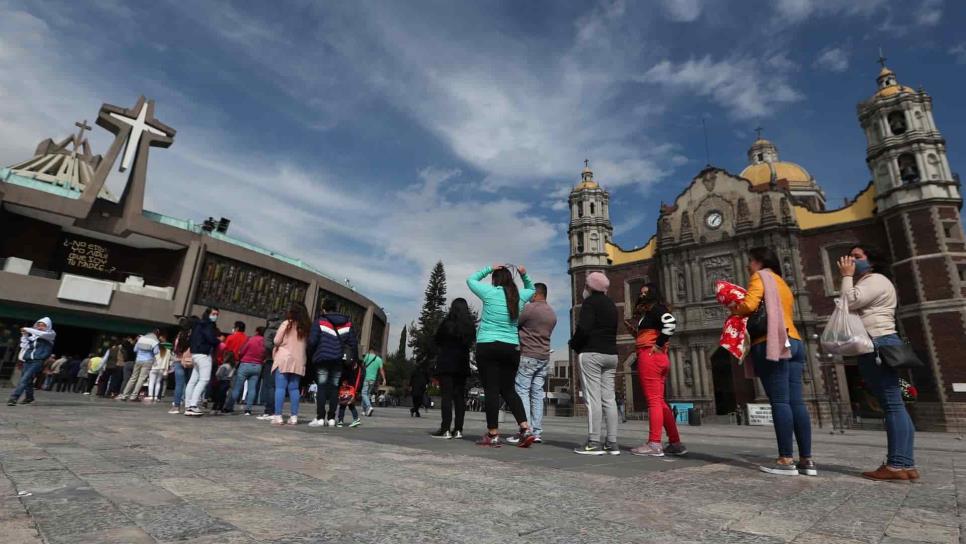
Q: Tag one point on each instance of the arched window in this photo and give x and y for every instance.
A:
(592, 209)
(594, 242)
(897, 122)
(580, 243)
(908, 169)
(580, 209)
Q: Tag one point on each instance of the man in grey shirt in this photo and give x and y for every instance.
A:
(536, 325)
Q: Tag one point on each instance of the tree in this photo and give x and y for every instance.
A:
(421, 336)
(401, 351)
(398, 367)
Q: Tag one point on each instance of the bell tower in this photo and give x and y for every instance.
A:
(590, 226)
(918, 200)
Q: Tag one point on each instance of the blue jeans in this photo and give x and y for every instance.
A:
(180, 380)
(26, 385)
(531, 378)
(287, 381)
(267, 394)
(782, 381)
(327, 376)
(247, 372)
(883, 381)
(366, 391)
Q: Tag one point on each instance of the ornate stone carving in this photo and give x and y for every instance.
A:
(743, 219)
(686, 233)
(708, 178)
(714, 314)
(688, 373)
(767, 212)
(786, 211)
(681, 286)
(719, 267)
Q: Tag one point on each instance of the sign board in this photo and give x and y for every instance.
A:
(759, 414)
(959, 388)
(680, 411)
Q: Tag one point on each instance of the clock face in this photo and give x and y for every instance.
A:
(714, 219)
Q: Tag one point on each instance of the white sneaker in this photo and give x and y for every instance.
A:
(293, 420)
(317, 423)
(265, 417)
(369, 412)
(87, 392)
(331, 423)
(174, 410)
(277, 420)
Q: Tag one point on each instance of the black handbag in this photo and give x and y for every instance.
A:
(901, 356)
(758, 322)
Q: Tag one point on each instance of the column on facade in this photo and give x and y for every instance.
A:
(676, 375)
(696, 372)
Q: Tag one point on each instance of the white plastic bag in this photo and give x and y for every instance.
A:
(844, 333)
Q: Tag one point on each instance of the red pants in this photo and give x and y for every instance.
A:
(652, 369)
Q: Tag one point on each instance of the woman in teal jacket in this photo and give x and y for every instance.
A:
(498, 348)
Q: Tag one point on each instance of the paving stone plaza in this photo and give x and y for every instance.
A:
(80, 470)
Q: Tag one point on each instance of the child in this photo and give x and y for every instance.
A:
(223, 377)
(351, 379)
(159, 371)
(36, 344)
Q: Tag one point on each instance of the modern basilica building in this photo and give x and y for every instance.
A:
(910, 209)
(101, 266)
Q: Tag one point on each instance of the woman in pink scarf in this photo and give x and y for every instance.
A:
(779, 360)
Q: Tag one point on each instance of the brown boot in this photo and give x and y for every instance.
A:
(912, 473)
(884, 473)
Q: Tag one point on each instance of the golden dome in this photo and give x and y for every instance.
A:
(893, 90)
(764, 172)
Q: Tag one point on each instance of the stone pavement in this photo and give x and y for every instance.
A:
(97, 471)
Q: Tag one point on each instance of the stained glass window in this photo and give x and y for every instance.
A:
(238, 287)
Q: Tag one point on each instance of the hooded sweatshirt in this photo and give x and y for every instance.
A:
(36, 344)
(331, 334)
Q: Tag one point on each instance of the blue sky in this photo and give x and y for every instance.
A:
(375, 138)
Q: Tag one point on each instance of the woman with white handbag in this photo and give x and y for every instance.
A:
(870, 293)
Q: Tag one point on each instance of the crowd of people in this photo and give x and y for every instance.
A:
(512, 354)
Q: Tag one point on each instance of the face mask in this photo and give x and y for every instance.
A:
(213, 318)
(862, 266)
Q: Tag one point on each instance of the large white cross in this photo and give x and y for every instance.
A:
(138, 126)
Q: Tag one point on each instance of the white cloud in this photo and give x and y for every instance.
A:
(959, 53)
(682, 11)
(930, 13)
(798, 10)
(833, 59)
(740, 86)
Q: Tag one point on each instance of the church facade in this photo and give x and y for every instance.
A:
(910, 209)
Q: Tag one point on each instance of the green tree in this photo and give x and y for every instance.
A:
(421, 335)
(398, 367)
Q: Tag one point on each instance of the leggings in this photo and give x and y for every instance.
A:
(452, 388)
(498, 363)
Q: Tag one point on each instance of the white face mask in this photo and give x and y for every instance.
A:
(586, 293)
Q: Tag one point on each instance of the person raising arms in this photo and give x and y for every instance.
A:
(498, 348)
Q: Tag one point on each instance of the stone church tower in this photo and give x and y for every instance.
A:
(590, 227)
(918, 201)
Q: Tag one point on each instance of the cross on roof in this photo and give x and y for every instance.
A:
(882, 58)
(587, 163)
(82, 125)
(758, 131)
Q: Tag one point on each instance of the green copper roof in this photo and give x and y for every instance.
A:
(7, 176)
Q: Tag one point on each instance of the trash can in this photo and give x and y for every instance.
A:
(694, 417)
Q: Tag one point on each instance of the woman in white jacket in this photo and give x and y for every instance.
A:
(870, 294)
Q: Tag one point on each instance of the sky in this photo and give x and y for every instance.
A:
(374, 138)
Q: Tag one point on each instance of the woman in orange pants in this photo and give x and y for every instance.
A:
(653, 333)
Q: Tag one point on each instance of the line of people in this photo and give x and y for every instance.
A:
(512, 352)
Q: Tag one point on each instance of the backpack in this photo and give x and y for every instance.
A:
(347, 391)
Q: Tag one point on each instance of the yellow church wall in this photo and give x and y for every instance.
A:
(863, 207)
(619, 256)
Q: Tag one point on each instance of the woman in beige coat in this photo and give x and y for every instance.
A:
(289, 360)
